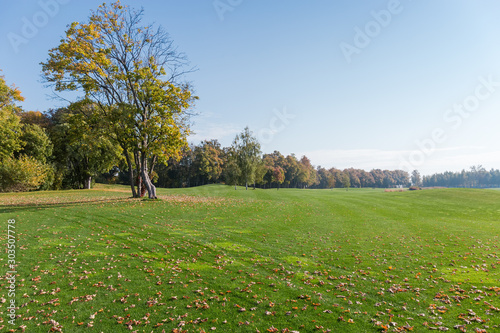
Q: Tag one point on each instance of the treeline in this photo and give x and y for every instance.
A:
(56, 150)
(274, 170)
(209, 162)
(476, 176)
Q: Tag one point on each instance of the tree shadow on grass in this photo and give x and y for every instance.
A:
(35, 203)
(42, 204)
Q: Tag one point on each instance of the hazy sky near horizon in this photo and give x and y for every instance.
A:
(364, 84)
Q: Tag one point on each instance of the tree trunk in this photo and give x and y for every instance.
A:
(152, 167)
(145, 178)
(150, 176)
(246, 186)
(130, 173)
(88, 183)
(140, 186)
(141, 189)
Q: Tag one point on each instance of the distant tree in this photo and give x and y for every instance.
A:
(292, 169)
(210, 160)
(478, 175)
(401, 177)
(330, 180)
(271, 163)
(268, 166)
(277, 158)
(353, 177)
(325, 178)
(378, 177)
(346, 181)
(247, 150)
(278, 176)
(415, 178)
(388, 179)
(232, 170)
(322, 175)
(494, 178)
(307, 174)
(188, 166)
(366, 179)
(260, 173)
(337, 176)
(183, 172)
(35, 118)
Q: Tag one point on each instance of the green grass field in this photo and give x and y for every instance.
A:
(215, 259)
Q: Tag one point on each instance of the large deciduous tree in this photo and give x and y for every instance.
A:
(131, 72)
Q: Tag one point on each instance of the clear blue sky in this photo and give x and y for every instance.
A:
(344, 98)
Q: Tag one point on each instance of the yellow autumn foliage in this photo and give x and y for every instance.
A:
(22, 174)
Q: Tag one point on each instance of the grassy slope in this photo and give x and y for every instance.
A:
(242, 260)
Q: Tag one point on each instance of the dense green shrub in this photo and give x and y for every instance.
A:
(22, 174)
